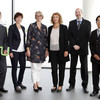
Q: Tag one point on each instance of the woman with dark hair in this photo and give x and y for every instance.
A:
(16, 38)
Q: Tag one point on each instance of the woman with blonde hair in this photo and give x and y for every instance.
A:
(37, 48)
(58, 50)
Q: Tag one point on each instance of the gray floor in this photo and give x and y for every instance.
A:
(46, 83)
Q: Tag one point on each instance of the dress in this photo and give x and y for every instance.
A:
(37, 42)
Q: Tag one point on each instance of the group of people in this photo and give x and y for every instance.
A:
(57, 42)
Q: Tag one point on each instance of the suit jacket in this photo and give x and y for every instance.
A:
(14, 37)
(94, 44)
(63, 42)
(3, 37)
(79, 37)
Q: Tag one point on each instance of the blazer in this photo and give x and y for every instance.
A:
(63, 42)
(93, 44)
(3, 37)
(14, 37)
(79, 37)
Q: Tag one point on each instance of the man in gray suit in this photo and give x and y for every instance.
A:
(3, 67)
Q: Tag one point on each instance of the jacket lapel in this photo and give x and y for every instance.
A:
(23, 31)
(60, 33)
(17, 31)
(75, 26)
(0, 30)
(82, 24)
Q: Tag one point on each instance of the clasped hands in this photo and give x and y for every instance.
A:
(76, 47)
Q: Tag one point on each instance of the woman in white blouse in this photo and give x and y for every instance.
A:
(58, 50)
(16, 38)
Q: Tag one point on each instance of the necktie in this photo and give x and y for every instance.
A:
(79, 24)
(98, 33)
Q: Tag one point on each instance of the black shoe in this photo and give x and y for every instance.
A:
(53, 90)
(22, 86)
(3, 90)
(39, 88)
(85, 90)
(59, 90)
(0, 95)
(93, 93)
(18, 89)
(99, 97)
(35, 90)
(70, 88)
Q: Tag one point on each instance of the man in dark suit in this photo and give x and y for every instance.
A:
(79, 33)
(3, 67)
(95, 57)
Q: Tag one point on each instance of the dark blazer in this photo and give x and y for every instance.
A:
(63, 42)
(14, 37)
(93, 44)
(3, 37)
(79, 37)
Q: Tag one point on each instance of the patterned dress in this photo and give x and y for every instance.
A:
(37, 42)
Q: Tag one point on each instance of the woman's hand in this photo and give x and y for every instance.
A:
(65, 53)
(96, 57)
(11, 55)
(5, 51)
(46, 53)
(28, 53)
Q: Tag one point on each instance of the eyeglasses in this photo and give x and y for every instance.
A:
(38, 15)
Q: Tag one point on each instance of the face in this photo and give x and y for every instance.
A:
(38, 17)
(18, 19)
(78, 13)
(98, 22)
(55, 19)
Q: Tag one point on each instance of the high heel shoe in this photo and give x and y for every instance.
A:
(53, 89)
(35, 90)
(39, 88)
(59, 90)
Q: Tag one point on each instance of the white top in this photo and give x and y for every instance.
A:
(21, 45)
(54, 39)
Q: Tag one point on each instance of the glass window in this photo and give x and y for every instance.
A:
(48, 7)
(5, 9)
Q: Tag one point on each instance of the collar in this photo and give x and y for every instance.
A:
(98, 30)
(79, 20)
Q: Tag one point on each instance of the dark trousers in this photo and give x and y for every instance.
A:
(95, 75)
(3, 69)
(84, 69)
(18, 56)
(54, 66)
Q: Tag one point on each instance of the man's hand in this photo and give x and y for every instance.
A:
(76, 47)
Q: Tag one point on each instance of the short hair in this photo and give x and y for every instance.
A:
(0, 12)
(39, 12)
(17, 15)
(60, 18)
(79, 9)
(97, 18)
